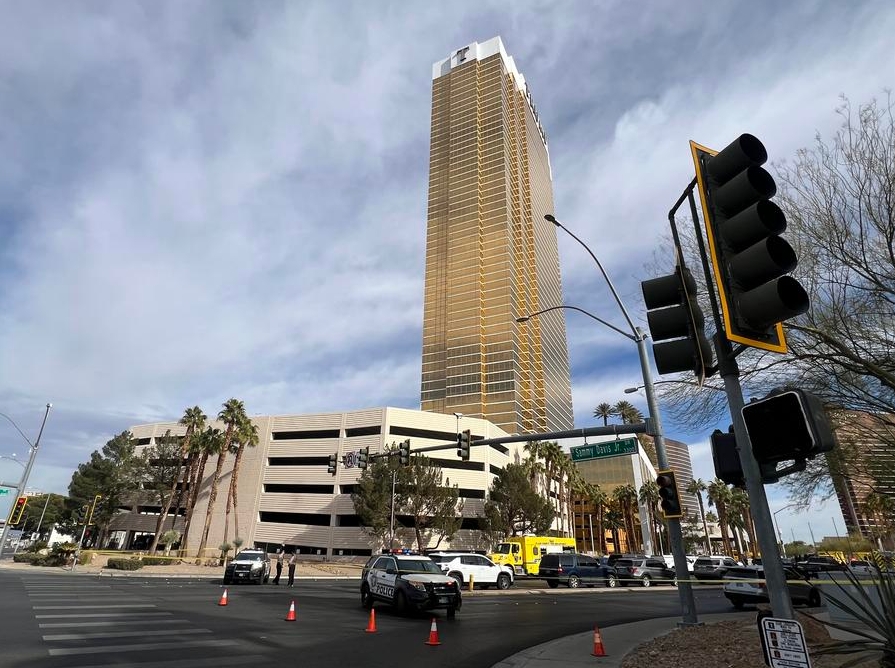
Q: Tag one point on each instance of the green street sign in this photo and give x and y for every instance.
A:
(3, 491)
(625, 446)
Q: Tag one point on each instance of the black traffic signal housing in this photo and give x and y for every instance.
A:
(333, 464)
(363, 458)
(81, 513)
(463, 440)
(726, 458)
(404, 452)
(669, 497)
(676, 324)
(15, 513)
(749, 257)
(788, 425)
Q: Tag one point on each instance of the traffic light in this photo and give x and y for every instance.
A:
(788, 424)
(333, 464)
(404, 452)
(81, 514)
(669, 498)
(676, 324)
(15, 514)
(363, 458)
(749, 257)
(726, 458)
(463, 440)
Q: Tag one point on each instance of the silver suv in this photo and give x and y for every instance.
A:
(248, 566)
(468, 565)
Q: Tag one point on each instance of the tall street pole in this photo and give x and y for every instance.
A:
(675, 537)
(23, 483)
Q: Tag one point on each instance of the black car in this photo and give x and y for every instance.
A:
(573, 570)
(248, 566)
(645, 572)
(713, 567)
(408, 582)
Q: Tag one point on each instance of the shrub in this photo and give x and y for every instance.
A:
(26, 557)
(156, 561)
(86, 558)
(125, 564)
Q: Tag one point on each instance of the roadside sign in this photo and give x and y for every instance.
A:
(783, 642)
(625, 446)
(3, 491)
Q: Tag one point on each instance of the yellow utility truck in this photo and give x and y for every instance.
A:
(523, 553)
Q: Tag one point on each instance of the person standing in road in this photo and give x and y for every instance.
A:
(293, 558)
(280, 556)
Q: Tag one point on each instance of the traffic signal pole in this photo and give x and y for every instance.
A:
(778, 593)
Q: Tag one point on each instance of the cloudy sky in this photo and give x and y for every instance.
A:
(205, 200)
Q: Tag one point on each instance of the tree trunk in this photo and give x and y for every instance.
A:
(192, 495)
(212, 497)
(705, 526)
(231, 496)
(159, 525)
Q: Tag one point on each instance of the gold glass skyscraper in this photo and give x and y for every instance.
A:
(490, 255)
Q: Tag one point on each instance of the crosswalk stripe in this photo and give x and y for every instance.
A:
(239, 660)
(143, 622)
(142, 647)
(123, 634)
(105, 614)
(82, 607)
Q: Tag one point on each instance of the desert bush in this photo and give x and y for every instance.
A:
(125, 564)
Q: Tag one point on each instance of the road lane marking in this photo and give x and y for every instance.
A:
(143, 647)
(82, 607)
(144, 622)
(123, 634)
(105, 614)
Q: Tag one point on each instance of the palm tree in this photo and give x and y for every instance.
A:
(649, 497)
(604, 411)
(740, 502)
(697, 487)
(246, 436)
(554, 459)
(576, 488)
(719, 494)
(628, 412)
(534, 463)
(626, 496)
(203, 444)
(233, 415)
(599, 498)
(216, 478)
(614, 520)
(194, 420)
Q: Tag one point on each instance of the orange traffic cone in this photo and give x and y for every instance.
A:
(223, 600)
(433, 634)
(599, 650)
(371, 627)
(290, 616)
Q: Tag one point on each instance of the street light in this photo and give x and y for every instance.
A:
(20, 488)
(13, 459)
(685, 592)
(780, 535)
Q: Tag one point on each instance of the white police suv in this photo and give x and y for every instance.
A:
(408, 582)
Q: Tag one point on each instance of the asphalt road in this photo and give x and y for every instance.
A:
(56, 620)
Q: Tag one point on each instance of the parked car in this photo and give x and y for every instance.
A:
(408, 582)
(644, 571)
(463, 566)
(745, 584)
(712, 568)
(669, 561)
(573, 570)
(610, 559)
(250, 565)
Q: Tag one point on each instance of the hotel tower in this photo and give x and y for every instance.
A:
(490, 255)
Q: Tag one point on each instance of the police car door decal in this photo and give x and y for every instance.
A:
(385, 582)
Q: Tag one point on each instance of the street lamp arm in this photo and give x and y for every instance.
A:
(580, 310)
(551, 219)
(13, 423)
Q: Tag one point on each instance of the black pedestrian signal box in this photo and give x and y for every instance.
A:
(669, 497)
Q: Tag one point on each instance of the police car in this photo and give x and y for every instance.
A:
(408, 582)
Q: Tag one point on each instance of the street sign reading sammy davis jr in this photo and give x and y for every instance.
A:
(625, 446)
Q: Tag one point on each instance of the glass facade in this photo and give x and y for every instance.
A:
(490, 255)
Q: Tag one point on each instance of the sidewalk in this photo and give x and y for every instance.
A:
(618, 641)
